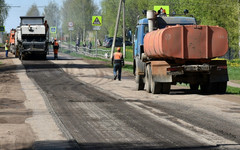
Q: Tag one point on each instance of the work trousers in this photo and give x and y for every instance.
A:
(117, 68)
(6, 53)
(55, 53)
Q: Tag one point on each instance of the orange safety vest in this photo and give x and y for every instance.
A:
(55, 47)
(117, 55)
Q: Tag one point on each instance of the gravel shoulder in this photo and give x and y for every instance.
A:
(25, 122)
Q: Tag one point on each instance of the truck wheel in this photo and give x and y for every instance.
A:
(165, 88)
(194, 86)
(148, 79)
(155, 87)
(221, 87)
(16, 54)
(43, 56)
(139, 82)
(22, 56)
(206, 88)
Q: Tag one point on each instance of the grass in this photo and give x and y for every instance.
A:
(129, 52)
(126, 67)
(233, 90)
(234, 69)
(82, 56)
(1, 44)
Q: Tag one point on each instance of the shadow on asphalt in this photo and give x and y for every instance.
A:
(72, 145)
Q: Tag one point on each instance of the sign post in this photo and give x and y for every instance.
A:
(96, 23)
(70, 28)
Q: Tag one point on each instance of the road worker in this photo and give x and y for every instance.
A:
(55, 48)
(7, 48)
(46, 26)
(118, 62)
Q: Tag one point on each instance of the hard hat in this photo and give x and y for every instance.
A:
(119, 48)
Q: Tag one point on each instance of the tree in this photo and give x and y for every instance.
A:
(33, 11)
(3, 11)
(52, 14)
(109, 12)
(79, 12)
(207, 12)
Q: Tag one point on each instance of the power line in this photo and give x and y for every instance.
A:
(9, 6)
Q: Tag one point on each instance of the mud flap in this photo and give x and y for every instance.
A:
(159, 72)
(140, 67)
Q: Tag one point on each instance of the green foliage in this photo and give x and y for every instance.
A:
(234, 69)
(79, 12)
(3, 11)
(224, 13)
(52, 14)
(109, 13)
(233, 90)
(33, 11)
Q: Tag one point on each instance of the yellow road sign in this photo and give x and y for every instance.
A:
(166, 8)
(96, 20)
(53, 29)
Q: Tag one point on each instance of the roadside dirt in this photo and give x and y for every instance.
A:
(14, 132)
(25, 120)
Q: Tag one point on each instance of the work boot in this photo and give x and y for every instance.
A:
(115, 77)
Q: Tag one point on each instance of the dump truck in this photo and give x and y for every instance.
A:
(32, 38)
(12, 40)
(174, 49)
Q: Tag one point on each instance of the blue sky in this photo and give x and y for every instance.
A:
(13, 20)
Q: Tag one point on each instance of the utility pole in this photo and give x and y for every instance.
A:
(124, 30)
(116, 28)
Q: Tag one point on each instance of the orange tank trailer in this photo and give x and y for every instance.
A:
(195, 42)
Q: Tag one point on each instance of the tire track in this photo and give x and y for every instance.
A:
(99, 121)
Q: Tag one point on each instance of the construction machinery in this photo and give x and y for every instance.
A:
(170, 50)
(32, 38)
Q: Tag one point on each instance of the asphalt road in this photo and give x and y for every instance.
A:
(98, 119)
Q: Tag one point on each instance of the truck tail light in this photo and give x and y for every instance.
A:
(173, 69)
(221, 67)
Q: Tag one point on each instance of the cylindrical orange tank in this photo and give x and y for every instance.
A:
(186, 42)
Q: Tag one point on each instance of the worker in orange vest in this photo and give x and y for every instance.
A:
(118, 62)
(55, 48)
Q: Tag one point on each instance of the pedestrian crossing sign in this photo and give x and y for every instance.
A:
(2, 28)
(96, 20)
(166, 8)
(53, 29)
